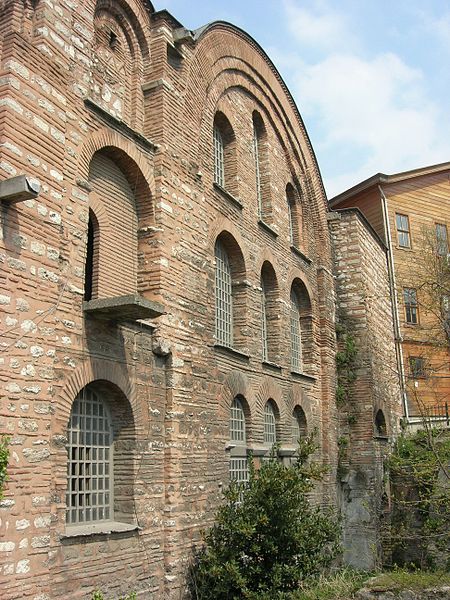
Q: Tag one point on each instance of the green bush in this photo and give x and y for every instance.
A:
(97, 595)
(267, 537)
(4, 457)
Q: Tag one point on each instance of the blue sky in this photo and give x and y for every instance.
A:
(371, 78)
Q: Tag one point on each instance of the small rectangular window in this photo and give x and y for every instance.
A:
(403, 233)
(441, 239)
(411, 307)
(417, 367)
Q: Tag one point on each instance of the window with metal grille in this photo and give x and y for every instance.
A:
(270, 429)
(403, 233)
(441, 239)
(257, 168)
(237, 421)
(411, 307)
(265, 351)
(291, 222)
(417, 367)
(238, 458)
(219, 164)
(89, 469)
(296, 345)
(224, 297)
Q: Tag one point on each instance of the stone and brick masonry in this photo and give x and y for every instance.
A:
(110, 106)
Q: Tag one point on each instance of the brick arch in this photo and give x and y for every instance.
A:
(237, 384)
(133, 14)
(134, 164)
(88, 372)
(300, 275)
(270, 390)
(222, 225)
(297, 396)
(101, 214)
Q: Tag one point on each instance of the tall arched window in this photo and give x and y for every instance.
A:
(238, 438)
(296, 338)
(270, 423)
(90, 461)
(262, 175)
(91, 263)
(219, 167)
(224, 148)
(265, 350)
(224, 297)
(295, 217)
(299, 428)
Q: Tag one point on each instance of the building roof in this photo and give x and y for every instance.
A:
(380, 178)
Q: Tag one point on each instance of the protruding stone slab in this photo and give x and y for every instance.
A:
(123, 308)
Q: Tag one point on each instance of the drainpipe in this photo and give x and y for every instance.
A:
(393, 290)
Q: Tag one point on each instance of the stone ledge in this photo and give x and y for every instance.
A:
(267, 228)
(230, 350)
(228, 196)
(300, 254)
(305, 376)
(130, 307)
(91, 529)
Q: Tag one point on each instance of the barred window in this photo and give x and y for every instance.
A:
(237, 421)
(417, 367)
(295, 216)
(238, 458)
(296, 346)
(224, 298)
(411, 307)
(270, 430)
(219, 165)
(441, 239)
(265, 352)
(256, 151)
(89, 468)
(403, 233)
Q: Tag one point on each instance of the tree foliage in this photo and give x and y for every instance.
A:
(4, 458)
(267, 537)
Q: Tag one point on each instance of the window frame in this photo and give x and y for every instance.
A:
(223, 296)
(411, 308)
(219, 156)
(417, 367)
(296, 358)
(441, 240)
(270, 424)
(401, 231)
(238, 467)
(264, 324)
(88, 395)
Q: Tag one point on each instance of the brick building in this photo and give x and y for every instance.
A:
(168, 297)
(410, 212)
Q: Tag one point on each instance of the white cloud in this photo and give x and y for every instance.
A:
(320, 27)
(369, 114)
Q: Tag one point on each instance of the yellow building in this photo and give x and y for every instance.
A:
(410, 212)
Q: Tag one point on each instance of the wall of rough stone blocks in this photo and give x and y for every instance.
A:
(364, 313)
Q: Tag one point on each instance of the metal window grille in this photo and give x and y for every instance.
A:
(237, 421)
(265, 350)
(257, 170)
(404, 238)
(296, 345)
(239, 469)
(89, 467)
(410, 301)
(417, 367)
(270, 431)
(224, 298)
(219, 164)
(441, 239)
(291, 221)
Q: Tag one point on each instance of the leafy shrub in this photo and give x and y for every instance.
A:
(97, 595)
(267, 537)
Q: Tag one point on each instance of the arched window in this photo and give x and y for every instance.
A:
(380, 424)
(90, 460)
(265, 351)
(238, 438)
(262, 175)
(295, 217)
(224, 297)
(296, 337)
(299, 428)
(219, 167)
(301, 328)
(91, 263)
(270, 423)
(225, 164)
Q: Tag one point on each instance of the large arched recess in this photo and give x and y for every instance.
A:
(213, 72)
